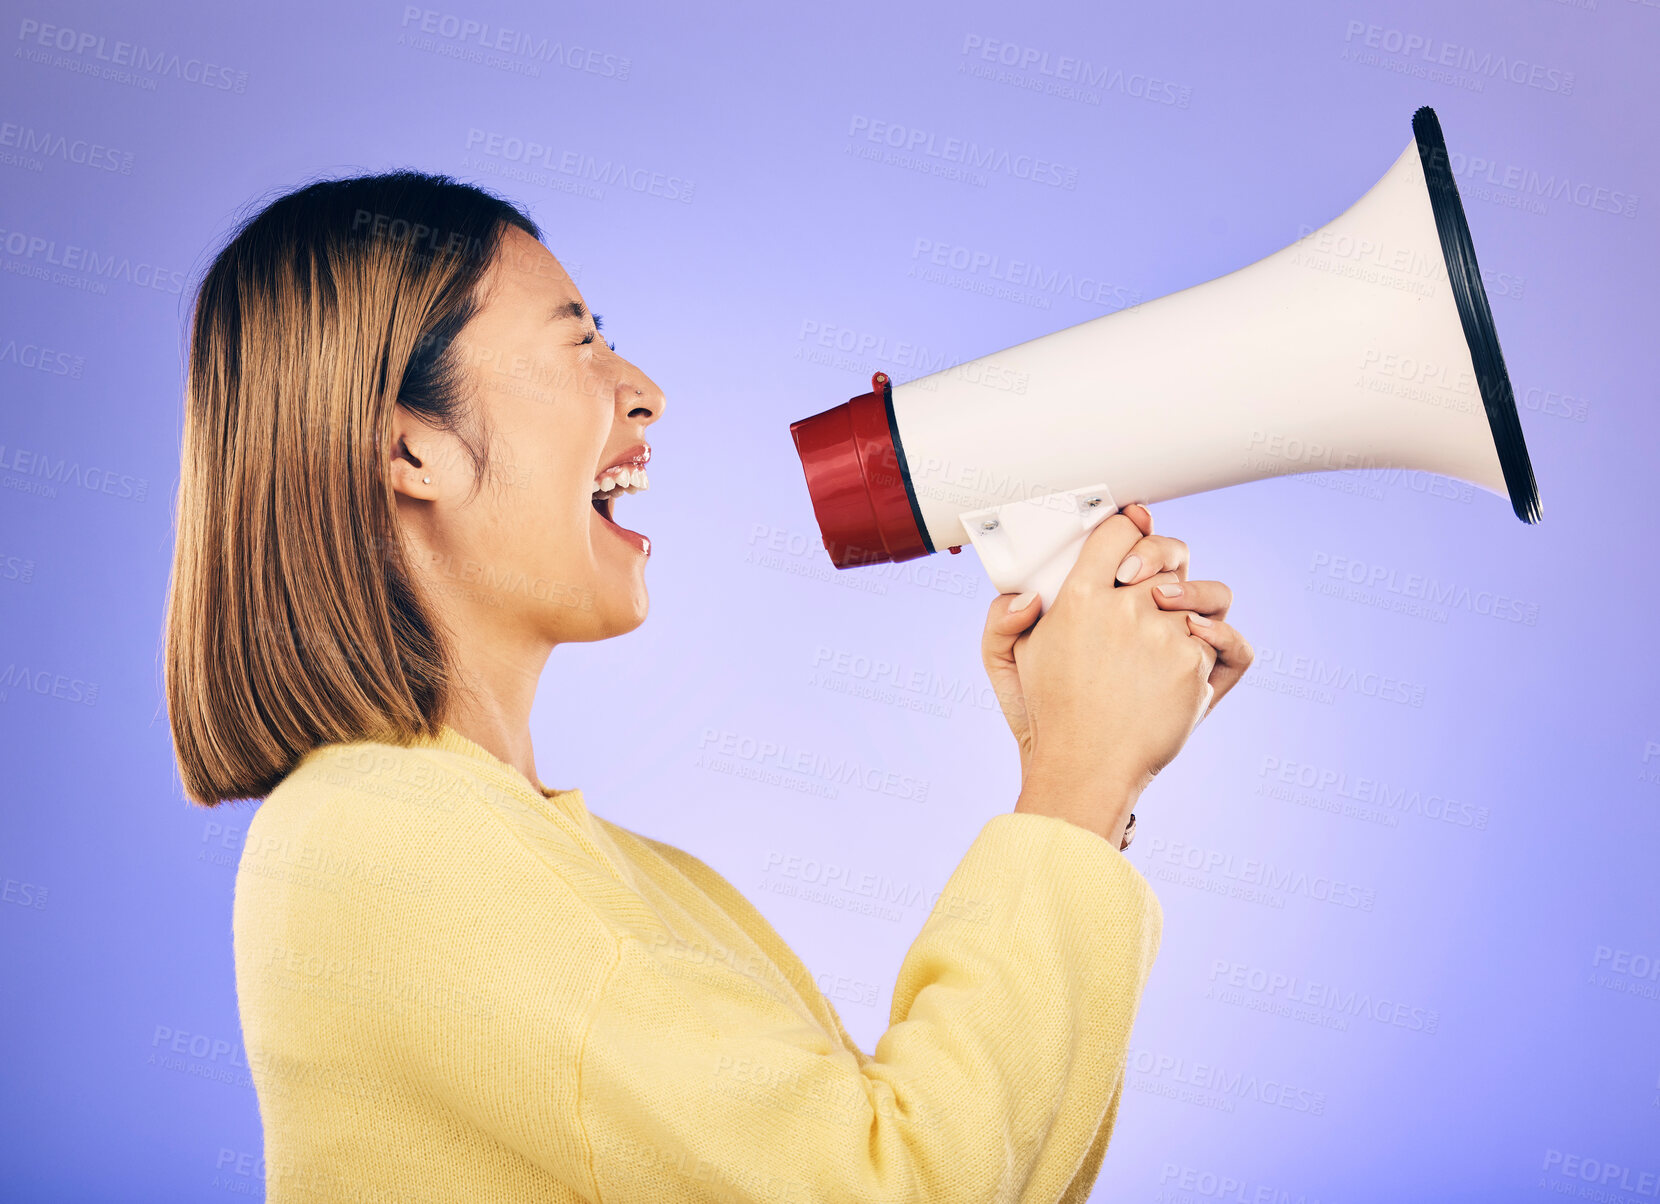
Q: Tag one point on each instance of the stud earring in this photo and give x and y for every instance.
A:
(426, 480)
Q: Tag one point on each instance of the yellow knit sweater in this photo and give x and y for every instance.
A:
(456, 986)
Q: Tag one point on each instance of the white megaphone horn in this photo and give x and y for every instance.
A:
(1366, 344)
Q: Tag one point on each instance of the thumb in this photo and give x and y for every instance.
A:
(1005, 627)
(1018, 612)
(1010, 615)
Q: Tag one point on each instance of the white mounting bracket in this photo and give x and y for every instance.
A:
(1032, 544)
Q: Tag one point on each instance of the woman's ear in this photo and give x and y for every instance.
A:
(414, 456)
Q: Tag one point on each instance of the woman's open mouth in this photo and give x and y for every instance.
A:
(612, 483)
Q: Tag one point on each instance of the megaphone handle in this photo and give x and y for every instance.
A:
(1032, 544)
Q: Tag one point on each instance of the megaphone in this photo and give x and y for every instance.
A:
(1366, 344)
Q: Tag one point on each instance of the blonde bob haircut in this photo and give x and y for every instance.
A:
(293, 617)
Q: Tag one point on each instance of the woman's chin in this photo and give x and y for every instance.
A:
(620, 603)
(631, 608)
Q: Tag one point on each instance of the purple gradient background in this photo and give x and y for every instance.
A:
(1541, 1044)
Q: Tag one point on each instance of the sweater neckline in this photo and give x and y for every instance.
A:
(453, 741)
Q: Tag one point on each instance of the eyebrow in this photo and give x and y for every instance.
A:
(570, 309)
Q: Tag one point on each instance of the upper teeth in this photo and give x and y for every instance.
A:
(629, 478)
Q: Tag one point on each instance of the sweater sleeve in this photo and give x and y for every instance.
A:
(998, 1078)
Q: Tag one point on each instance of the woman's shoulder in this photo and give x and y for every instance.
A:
(383, 885)
(419, 806)
(381, 834)
(372, 779)
(660, 856)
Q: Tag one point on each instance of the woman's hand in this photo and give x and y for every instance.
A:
(1011, 615)
(1112, 653)
(1206, 599)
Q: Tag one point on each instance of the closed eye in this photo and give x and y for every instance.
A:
(599, 323)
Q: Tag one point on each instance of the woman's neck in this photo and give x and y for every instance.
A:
(491, 704)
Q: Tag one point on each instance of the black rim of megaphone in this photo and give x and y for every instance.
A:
(1473, 311)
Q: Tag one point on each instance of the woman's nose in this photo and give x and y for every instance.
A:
(638, 397)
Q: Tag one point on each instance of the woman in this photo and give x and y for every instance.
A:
(403, 446)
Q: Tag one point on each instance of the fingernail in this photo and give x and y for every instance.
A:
(1128, 569)
(1200, 619)
(1170, 591)
(1022, 601)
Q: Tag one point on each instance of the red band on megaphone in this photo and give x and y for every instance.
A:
(858, 481)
